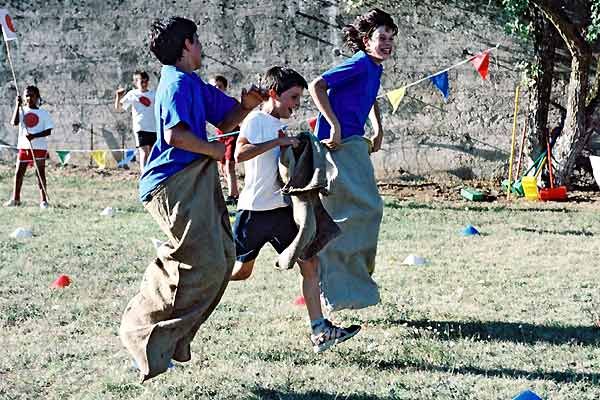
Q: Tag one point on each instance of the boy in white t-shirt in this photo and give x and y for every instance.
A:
(263, 213)
(141, 101)
(34, 125)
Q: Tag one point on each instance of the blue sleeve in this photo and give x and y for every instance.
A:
(346, 71)
(216, 104)
(176, 106)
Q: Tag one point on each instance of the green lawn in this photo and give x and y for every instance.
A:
(488, 317)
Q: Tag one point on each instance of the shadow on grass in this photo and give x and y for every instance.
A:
(580, 232)
(517, 332)
(512, 373)
(274, 394)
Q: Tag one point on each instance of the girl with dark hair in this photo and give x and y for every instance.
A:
(346, 96)
(34, 125)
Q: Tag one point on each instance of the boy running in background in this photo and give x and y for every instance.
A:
(227, 163)
(141, 101)
(180, 189)
(34, 125)
(263, 214)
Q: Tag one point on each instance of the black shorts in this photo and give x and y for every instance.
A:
(253, 229)
(145, 138)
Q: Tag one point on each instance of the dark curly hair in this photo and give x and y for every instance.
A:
(364, 25)
(167, 38)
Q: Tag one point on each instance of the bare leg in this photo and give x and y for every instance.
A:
(310, 287)
(242, 270)
(41, 164)
(19, 174)
(143, 152)
(231, 178)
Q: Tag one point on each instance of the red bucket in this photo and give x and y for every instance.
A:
(553, 194)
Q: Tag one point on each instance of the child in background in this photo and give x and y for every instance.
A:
(34, 125)
(141, 101)
(227, 163)
(263, 214)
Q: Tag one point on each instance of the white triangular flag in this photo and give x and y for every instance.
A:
(8, 28)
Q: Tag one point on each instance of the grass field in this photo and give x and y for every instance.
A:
(488, 317)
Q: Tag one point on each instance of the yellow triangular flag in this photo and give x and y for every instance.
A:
(395, 97)
(100, 157)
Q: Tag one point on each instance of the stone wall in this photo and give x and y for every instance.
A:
(77, 52)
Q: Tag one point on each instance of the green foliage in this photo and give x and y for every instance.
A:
(593, 31)
(515, 13)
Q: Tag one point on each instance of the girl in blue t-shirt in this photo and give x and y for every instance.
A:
(346, 94)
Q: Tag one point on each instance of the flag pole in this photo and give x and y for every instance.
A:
(37, 171)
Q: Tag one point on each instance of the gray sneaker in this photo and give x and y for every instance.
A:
(332, 335)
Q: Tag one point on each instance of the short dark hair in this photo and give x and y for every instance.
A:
(364, 25)
(33, 89)
(143, 74)
(167, 38)
(222, 79)
(281, 79)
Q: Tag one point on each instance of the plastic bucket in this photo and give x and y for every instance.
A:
(530, 188)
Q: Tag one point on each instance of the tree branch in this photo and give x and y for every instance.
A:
(566, 28)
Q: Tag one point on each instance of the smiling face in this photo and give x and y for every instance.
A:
(287, 102)
(380, 44)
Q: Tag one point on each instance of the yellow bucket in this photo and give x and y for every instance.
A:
(530, 187)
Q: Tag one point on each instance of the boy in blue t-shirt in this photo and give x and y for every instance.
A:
(180, 189)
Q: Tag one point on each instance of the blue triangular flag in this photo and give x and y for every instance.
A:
(128, 156)
(441, 82)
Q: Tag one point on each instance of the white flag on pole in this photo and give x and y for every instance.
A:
(8, 28)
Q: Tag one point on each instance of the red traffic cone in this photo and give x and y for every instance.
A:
(61, 282)
(299, 301)
(312, 122)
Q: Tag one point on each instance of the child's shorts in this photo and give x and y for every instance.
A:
(253, 229)
(24, 156)
(229, 142)
(145, 138)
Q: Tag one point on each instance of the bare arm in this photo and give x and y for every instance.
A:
(249, 100)
(375, 118)
(118, 97)
(31, 136)
(181, 137)
(15, 117)
(318, 92)
(244, 150)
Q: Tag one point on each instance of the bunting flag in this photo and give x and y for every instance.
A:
(64, 156)
(99, 156)
(8, 28)
(440, 81)
(128, 156)
(395, 97)
(312, 122)
(481, 62)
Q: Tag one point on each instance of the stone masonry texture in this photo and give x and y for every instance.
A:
(78, 52)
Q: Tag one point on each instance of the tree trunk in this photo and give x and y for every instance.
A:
(574, 135)
(539, 93)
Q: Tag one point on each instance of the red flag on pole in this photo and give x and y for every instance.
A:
(8, 28)
(481, 62)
